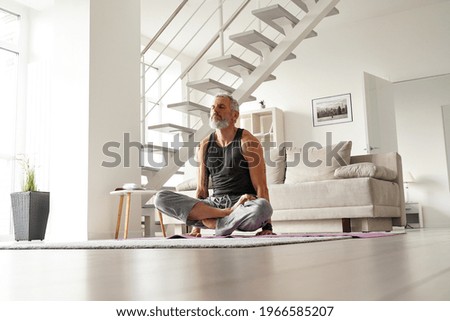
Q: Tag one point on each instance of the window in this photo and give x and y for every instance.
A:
(9, 63)
(162, 87)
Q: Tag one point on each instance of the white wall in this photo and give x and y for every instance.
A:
(114, 109)
(422, 144)
(69, 122)
(95, 100)
(38, 92)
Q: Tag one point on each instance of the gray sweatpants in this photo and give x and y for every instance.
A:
(249, 216)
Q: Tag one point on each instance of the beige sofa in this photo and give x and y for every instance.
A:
(319, 194)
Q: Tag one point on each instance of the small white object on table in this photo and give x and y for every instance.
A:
(128, 193)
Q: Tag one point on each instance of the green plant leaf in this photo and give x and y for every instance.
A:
(29, 184)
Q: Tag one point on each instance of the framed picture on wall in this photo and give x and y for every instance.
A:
(332, 110)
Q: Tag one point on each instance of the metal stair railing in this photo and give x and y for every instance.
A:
(184, 47)
(292, 38)
(203, 130)
(165, 25)
(211, 42)
(245, 50)
(214, 38)
(274, 39)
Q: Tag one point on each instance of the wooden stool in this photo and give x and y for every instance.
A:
(163, 229)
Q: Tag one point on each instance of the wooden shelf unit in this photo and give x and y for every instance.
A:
(266, 124)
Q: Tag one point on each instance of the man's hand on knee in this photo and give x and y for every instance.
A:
(244, 198)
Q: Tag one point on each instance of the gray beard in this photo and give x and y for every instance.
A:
(218, 124)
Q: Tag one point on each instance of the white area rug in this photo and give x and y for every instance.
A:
(163, 243)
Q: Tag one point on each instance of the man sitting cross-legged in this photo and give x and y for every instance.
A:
(233, 158)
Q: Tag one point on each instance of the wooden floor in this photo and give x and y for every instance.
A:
(415, 266)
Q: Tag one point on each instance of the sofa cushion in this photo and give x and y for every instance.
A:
(187, 185)
(365, 170)
(190, 184)
(335, 193)
(319, 164)
(275, 165)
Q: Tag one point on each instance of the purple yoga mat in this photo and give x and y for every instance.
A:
(353, 235)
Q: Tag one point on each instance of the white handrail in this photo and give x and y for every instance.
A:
(161, 30)
(232, 44)
(203, 51)
(257, 58)
(142, 127)
(184, 47)
(244, 51)
(222, 44)
(214, 39)
(178, 32)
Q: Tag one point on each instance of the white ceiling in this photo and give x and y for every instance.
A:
(155, 12)
(36, 4)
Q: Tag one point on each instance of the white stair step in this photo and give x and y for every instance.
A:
(190, 108)
(213, 87)
(171, 128)
(235, 66)
(302, 5)
(149, 169)
(256, 42)
(277, 17)
(157, 169)
(157, 148)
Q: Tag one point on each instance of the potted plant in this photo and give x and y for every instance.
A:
(30, 207)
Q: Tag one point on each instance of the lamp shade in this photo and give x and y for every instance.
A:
(408, 177)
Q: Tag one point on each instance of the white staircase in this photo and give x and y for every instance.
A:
(212, 87)
(235, 66)
(190, 108)
(294, 31)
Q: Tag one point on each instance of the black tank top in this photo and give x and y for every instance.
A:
(228, 168)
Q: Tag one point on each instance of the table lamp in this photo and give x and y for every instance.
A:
(408, 178)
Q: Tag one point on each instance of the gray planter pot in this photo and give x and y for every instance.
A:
(30, 215)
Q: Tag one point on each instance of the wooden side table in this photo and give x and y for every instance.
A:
(128, 194)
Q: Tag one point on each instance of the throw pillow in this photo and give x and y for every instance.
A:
(365, 170)
(318, 164)
(275, 165)
(189, 185)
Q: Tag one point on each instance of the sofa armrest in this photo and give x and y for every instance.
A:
(392, 161)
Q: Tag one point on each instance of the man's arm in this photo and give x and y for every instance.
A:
(202, 179)
(253, 154)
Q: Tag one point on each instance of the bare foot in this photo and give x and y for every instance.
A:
(227, 211)
(210, 222)
(196, 232)
(202, 211)
(265, 232)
